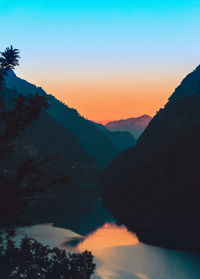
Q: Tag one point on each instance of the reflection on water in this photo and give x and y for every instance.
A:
(81, 212)
(119, 255)
(147, 262)
(110, 235)
(47, 234)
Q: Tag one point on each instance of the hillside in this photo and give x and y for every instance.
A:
(93, 141)
(156, 183)
(47, 138)
(122, 140)
(189, 86)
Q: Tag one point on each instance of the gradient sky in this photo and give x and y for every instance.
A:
(109, 59)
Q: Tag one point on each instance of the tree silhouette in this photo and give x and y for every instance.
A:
(9, 60)
(31, 259)
(14, 118)
(13, 195)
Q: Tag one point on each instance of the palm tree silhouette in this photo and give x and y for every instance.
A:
(9, 58)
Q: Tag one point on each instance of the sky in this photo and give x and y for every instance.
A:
(109, 59)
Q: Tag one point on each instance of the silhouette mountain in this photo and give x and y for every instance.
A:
(154, 187)
(189, 86)
(135, 125)
(96, 143)
(47, 138)
(122, 140)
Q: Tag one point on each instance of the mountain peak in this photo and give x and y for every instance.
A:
(189, 86)
(134, 125)
(13, 81)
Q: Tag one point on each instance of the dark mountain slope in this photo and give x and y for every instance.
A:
(154, 188)
(46, 137)
(122, 140)
(21, 85)
(95, 143)
(189, 86)
(162, 204)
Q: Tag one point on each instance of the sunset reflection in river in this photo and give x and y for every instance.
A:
(110, 235)
(118, 254)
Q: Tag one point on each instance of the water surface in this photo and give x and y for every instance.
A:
(81, 222)
(119, 255)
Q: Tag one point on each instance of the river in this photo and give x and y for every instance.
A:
(118, 253)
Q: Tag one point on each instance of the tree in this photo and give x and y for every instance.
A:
(13, 120)
(31, 260)
(17, 189)
(9, 60)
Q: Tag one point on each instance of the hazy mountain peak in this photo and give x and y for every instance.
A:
(134, 125)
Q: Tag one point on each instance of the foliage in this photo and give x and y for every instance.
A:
(9, 58)
(15, 189)
(13, 121)
(33, 260)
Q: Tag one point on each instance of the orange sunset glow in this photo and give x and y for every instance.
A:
(110, 235)
(105, 99)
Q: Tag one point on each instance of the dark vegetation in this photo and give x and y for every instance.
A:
(13, 120)
(154, 188)
(46, 137)
(31, 259)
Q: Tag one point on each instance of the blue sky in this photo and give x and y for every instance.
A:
(79, 41)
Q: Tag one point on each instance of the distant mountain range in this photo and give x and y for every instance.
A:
(100, 145)
(134, 125)
(154, 188)
(122, 140)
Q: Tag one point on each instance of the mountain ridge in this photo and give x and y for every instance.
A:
(156, 182)
(94, 142)
(47, 138)
(133, 125)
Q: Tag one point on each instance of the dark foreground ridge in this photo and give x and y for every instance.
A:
(154, 188)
